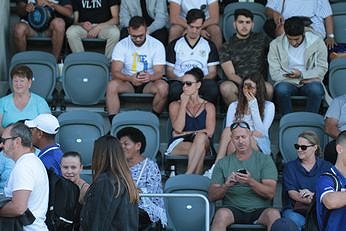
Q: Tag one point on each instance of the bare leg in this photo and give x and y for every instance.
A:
(21, 32)
(268, 217)
(229, 91)
(223, 218)
(160, 89)
(215, 35)
(115, 87)
(270, 91)
(224, 143)
(175, 31)
(57, 28)
(197, 153)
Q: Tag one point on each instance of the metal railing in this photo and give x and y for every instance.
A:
(184, 195)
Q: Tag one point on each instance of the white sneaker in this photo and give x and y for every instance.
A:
(209, 172)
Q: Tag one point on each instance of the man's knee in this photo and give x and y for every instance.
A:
(72, 32)
(20, 30)
(113, 87)
(58, 25)
(223, 217)
(282, 89)
(162, 87)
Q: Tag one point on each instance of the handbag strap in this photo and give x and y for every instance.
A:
(142, 170)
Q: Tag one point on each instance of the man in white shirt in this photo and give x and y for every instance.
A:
(28, 183)
(138, 63)
(297, 64)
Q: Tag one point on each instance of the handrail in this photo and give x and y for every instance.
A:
(207, 221)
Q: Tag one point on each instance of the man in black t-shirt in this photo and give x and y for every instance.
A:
(56, 28)
(94, 19)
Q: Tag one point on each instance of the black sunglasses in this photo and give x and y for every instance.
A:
(302, 147)
(188, 83)
(241, 124)
(3, 140)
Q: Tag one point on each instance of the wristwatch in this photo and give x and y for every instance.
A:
(330, 35)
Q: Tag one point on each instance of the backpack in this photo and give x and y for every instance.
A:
(311, 222)
(62, 204)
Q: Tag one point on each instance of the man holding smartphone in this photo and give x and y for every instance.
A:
(138, 63)
(297, 64)
(245, 181)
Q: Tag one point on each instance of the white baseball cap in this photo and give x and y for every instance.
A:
(44, 122)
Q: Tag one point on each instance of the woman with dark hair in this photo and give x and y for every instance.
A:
(300, 177)
(193, 122)
(253, 108)
(146, 175)
(111, 201)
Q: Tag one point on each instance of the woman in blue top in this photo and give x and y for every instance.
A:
(300, 177)
(193, 122)
(21, 104)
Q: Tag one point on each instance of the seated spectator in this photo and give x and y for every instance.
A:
(245, 54)
(138, 63)
(62, 9)
(193, 122)
(254, 110)
(300, 177)
(21, 103)
(245, 182)
(210, 29)
(94, 19)
(297, 64)
(6, 166)
(319, 13)
(330, 202)
(154, 13)
(43, 129)
(192, 50)
(28, 185)
(71, 167)
(334, 123)
(111, 201)
(146, 175)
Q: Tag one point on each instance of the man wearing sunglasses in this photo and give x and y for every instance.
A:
(28, 182)
(192, 50)
(245, 181)
(138, 63)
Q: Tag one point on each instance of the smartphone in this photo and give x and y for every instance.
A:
(242, 170)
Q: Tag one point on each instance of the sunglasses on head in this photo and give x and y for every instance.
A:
(302, 147)
(3, 140)
(188, 83)
(241, 124)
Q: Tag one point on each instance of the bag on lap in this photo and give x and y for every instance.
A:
(63, 203)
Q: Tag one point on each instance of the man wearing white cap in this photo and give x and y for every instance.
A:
(44, 128)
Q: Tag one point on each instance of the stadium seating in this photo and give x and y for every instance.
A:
(337, 76)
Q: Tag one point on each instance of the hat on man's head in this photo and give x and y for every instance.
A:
(284, 224)
(44, 122)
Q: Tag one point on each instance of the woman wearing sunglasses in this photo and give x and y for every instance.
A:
(193, 122)
(252, 108)
(300, 177)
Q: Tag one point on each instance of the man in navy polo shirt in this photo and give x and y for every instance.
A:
(328, 198)
(43, 129)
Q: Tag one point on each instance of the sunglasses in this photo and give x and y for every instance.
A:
(3, 140)
(188, 83)
(302, 147)
(241, 124)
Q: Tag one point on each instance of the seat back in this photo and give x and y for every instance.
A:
(145, 121)
(257, 9)
(292, 124)
(44, 68)
(78, 131)
(337, 76)
(85, 77)
(186, 214)
(339, 18)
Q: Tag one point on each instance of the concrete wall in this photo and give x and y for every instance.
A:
(4, 46)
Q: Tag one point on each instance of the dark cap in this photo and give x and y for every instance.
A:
(284, 224)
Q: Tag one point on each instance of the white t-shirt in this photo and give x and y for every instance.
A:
(182, 56)
(30, 174)
(187, 5)
(142, 58)
(296, 57)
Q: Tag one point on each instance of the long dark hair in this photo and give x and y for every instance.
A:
(108, 156)
(260, 96)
